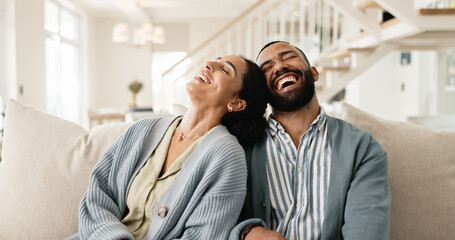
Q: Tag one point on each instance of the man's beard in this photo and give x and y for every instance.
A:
(295, 98)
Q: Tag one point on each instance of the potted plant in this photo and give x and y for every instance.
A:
(134, 87)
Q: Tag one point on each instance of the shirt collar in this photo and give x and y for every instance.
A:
(275, 126)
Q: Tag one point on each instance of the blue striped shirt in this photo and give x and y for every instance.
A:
(298, 179)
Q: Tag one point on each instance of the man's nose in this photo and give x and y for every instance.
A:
(279, 66)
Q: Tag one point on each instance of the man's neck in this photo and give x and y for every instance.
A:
(296, 123)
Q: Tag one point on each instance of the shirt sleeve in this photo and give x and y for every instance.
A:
(99, 214)
(218, 211)
(368, 199)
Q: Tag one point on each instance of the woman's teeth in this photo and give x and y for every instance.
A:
(289, 79)
(203, 78)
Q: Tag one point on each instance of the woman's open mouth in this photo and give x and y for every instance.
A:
(203, 78)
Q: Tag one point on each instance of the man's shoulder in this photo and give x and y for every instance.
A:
(343, 127)
(346, 134)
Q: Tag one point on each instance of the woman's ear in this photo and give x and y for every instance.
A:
(237, 105)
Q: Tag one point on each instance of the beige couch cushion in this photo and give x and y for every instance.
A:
(45, 170)
(421, 176)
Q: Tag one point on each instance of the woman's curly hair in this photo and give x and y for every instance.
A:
(249, 125)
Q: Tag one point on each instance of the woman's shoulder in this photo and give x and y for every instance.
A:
(220, 137)
(222, 146)
(147, 123)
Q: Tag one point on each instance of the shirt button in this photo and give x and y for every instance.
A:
(287, 141)
(299, 169)
(162, 212)
(291, 238)
(298, 204)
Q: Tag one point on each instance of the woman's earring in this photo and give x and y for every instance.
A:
(230, 108)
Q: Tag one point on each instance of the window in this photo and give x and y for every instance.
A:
(166, 92)
(2, 69)
(450, 70)
(62, 61)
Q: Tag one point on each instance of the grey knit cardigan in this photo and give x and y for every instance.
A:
(204, 201)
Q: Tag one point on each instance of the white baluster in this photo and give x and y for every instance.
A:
(248, 39)
(293, 12)
(238, 44)
(336, 20)
(302, 19)
(312, 25)
(282, 20)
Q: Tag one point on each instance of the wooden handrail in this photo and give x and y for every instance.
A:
(214, 36)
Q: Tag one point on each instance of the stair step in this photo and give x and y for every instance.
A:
(369, 4)
(344, 53)
(325, 69)
(385, 24)
(390, 22)
(444, 11)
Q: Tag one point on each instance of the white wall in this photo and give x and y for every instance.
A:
(202, 29)
(30, 65)
(115, 65)
(2, 52)
(379, 89)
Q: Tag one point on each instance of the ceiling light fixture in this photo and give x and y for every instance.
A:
(143, 35)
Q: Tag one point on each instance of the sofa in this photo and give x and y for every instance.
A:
(46, 161)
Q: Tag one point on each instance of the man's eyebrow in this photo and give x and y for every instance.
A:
(281, 54)
(265, 63)
(287, 52)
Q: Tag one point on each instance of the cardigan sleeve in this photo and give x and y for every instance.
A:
(368, 199)
(99, 214)
(217, 212)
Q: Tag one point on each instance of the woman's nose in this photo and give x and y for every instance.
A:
(209, 65)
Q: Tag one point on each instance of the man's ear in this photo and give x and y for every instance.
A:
(315, 73)
(238, 105)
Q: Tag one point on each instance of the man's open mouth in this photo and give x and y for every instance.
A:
(286, 82)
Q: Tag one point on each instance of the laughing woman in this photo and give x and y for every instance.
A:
(181, 178)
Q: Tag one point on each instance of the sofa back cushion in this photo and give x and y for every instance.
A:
(45, 171)
(421, 175)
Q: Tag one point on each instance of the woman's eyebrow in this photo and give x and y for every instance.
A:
(230, 64)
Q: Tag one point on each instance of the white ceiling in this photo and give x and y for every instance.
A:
(165, 10)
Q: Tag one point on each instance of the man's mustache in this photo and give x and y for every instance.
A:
(297, 72)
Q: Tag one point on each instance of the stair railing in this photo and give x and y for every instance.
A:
(313, 25)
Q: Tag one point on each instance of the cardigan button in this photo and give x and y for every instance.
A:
(162, 212)
(263, 204)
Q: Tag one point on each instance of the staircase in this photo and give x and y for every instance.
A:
(342, 38)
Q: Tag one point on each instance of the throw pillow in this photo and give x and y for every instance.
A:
(45, 171)
(421, 175)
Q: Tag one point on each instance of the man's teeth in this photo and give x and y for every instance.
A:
(203, 78)
(290, 79)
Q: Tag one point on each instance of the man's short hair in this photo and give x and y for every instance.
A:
(273, 42)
